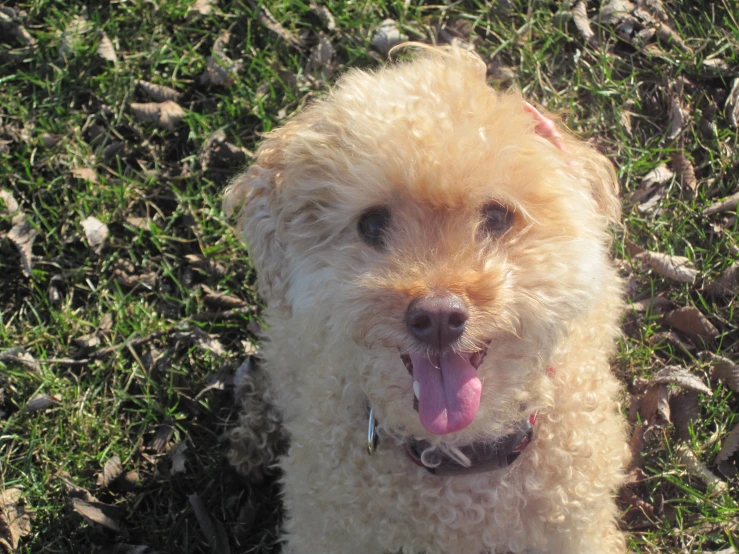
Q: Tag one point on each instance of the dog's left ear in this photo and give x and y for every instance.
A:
(601, 175)
(594, 166)
(255, 200)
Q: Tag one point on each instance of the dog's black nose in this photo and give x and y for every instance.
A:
(437, 320)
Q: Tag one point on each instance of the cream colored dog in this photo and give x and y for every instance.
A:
(436, 252)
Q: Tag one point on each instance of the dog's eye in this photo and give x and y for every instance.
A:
(372, 226)
(496, 219)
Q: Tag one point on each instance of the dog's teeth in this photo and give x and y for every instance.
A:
(416, 389)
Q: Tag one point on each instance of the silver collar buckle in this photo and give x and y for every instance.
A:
(371, 433)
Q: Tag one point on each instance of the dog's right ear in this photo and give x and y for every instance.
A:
(596, 168)
(253, 199)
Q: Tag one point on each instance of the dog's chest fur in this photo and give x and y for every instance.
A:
(325, 414)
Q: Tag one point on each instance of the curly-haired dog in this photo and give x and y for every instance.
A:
(436, 253)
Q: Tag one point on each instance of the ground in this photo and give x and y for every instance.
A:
(120, 335)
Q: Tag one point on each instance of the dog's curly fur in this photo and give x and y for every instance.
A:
(431, 142)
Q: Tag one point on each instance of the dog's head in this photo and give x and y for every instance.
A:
(440, 225)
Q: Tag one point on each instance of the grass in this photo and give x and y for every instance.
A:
(150, 274)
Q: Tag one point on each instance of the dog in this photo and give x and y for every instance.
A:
(441, 309)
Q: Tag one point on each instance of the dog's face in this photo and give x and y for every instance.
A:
(419, 214)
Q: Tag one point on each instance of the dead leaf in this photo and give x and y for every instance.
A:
(139, 222)
(49, 141)
(728, 204)
(323, 13)
(717, 66)
(677, 114)
(707, 124)
(724, 369)
(387, 36)
(684, 170)
(206, 265)
(113, 149)
(202, 340)
(650, 183)
(692, 322)
(732, 105)
(112, 470)
(217, 152)
(96, 232)
(269, 21)
(254, 327)
(167, 114)
(128, 280)
(163, 434)
(499, 72)
(73, 490)
(633, 249)
(220, 69)
(11, 205)
(727, 283)
(637, 443)
(106, 50)
(22, 235)
(15, 520)
(85, 173)
(615, 12)
(673, 267)
(654, 406)
(624, 119)
(629, 497)
(170, 114)
(321, 57)
(637, 23)
(634, 402)
(684, 409)
(221, 300)
(124, 273)
(99, 513)
(10, 23)
(243, 373)
(658, 176)
(580, 17)
(159, 93)
(106, 322)
(249, 348)
(154, 359)
(42, 402)
(458, 32)
(73, 35)
(220, 380)
(200, 8)
(675, 375)
(19, 355)
(130, 480)
(670, 337)
(667, 34)
(728, 448)
(213, 530)
(177, 456)
(88, 342)
(698, 469)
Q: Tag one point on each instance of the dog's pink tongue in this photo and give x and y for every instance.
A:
(449, 391)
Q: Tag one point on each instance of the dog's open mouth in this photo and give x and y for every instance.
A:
(446, 389)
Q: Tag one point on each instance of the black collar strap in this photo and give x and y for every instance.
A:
(483, 456)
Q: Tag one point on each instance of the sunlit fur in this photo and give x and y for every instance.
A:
(432, 142)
